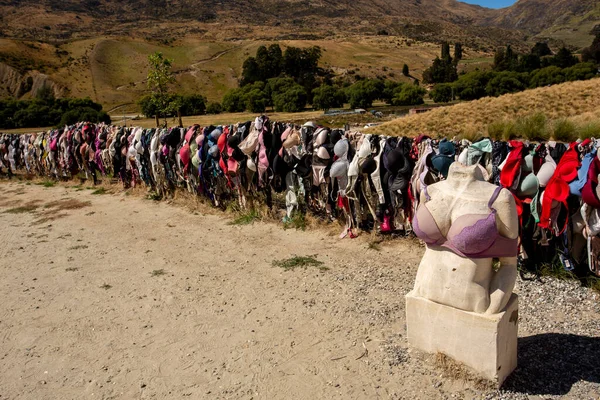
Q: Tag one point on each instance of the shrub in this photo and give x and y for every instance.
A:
(472, 86)
(506, 82)
(233, 101)
(326, 97)
(214, 108)
(87, 114)
(441, 93)
(364, 92)
(589, 130)
(194, 104)
(564, 130)
(409, 95)
(293, 99)
(255, 101)
(546, 76)
(502, 130)
(533, 127)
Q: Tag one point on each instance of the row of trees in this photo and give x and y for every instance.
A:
(289, 80)
(477, 84)
(46, 110)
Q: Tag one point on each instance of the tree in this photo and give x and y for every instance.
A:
(409, 95)
(292, 99)
(362, 93)
(233, 102)
(505, 60)
(564, 58)
(390, 88)
(442, 71)
(194, 104)
(147, 106)
(458, 52)
(546, 76)
(541, 49)
(250, 72)
(159, 78)
(529, 62)
(214, 108)
(442, 93)
(472, 85)
(326, 97)
(405, 70)
(507, 82)
(255, 101)
(592, 53)
(446, 51)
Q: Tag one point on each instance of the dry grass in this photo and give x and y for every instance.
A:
(576, 100)
(452, 369)
(112, 70)
(29, 208)
(67, 204)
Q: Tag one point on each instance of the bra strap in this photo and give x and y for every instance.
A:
(427, 197)
(495, 196)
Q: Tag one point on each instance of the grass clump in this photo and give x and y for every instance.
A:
(533, 127)
(21, 210)
(78, 247)
(71, 269)
(298, 221)
(99, 191)
(154, 196)
(374, 246)
(556, 270)
(589, 130)
(246, 218)
(106, 286)
(46, 183)
(564, 130)
(300, 262)
(502, 130)
(158, 272)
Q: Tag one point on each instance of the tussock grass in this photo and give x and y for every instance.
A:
(158, 272)
(298, 222)
(99, 191)
(300, 262)
(106, 286)
(246, 218)
(46, 183)
(555, 102)
(564, 130)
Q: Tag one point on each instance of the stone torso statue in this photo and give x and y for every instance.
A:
(467, 224)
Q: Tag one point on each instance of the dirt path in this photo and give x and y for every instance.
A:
(86, 312)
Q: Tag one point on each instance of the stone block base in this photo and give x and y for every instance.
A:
(485, 343)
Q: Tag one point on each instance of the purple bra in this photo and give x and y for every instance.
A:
(470, 236)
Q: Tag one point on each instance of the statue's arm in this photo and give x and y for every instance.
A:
(503, 281)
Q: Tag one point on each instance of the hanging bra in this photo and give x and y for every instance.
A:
(470, 236)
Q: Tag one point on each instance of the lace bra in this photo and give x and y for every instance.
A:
(470, 236)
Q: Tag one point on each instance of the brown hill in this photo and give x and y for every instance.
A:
(568, 20)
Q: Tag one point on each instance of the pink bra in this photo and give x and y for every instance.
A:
(470, 236)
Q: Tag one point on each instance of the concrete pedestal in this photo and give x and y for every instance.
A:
(485, 343)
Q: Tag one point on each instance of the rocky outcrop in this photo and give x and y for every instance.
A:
(17, 85)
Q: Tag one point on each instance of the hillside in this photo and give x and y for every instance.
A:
(578, 100)
(570, 21)
(98, 48)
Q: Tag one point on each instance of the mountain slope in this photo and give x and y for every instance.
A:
(568, 20)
